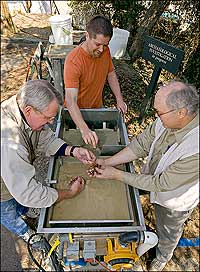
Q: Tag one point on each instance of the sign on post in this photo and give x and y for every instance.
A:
(163, 56)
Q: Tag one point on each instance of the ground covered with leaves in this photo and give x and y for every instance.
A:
(133, 79)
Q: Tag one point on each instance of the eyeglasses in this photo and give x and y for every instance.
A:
(160, 114)
(49, 119)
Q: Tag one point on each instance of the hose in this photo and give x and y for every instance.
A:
(129, 237)
(47, 247)
(31, 254)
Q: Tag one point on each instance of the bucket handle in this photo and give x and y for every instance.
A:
(66, 31)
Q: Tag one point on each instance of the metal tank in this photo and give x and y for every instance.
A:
(105, 220)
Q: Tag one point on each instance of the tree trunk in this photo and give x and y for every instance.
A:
(7, 18)
(147, 24)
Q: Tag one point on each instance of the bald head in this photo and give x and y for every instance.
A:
(176, 104)
(177, 95)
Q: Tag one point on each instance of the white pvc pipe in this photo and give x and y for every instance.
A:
(150, 240)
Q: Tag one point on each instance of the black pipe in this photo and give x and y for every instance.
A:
(129, 237)
(44, 244)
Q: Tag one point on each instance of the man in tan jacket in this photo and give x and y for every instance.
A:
(24, 119)
(171, 173)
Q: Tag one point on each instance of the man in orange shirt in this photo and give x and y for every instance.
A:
(85, 72)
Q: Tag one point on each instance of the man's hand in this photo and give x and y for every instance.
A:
(90, 137)
(96, 164)
(76, 185)
(121, 106)
(71, 96)
(106, 172)
(101, 162)
(84, 155)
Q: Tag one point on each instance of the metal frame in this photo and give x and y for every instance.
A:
(95, 227)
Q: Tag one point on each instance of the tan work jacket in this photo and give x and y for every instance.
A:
(18, 146)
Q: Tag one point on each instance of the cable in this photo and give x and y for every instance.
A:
(31, 254)
(101, 265)
(47, 247)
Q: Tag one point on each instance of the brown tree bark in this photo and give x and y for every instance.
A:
(7, 18)
(147, 24)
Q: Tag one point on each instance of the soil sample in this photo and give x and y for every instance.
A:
(100, 200)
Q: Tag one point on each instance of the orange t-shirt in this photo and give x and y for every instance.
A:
(88, 74)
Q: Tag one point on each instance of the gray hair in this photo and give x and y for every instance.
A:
(186, 96)
(38, 94)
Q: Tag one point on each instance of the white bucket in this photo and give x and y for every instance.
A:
(118, 43)
(61, 26)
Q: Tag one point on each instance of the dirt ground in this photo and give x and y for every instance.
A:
(16, 51)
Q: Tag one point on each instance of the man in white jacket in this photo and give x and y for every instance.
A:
(24, 129)
(171, 173)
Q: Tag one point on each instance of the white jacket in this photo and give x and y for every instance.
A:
(185, 197)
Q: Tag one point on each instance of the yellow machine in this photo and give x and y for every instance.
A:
(119, 257)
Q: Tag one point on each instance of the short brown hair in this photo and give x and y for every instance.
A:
(99, 25)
